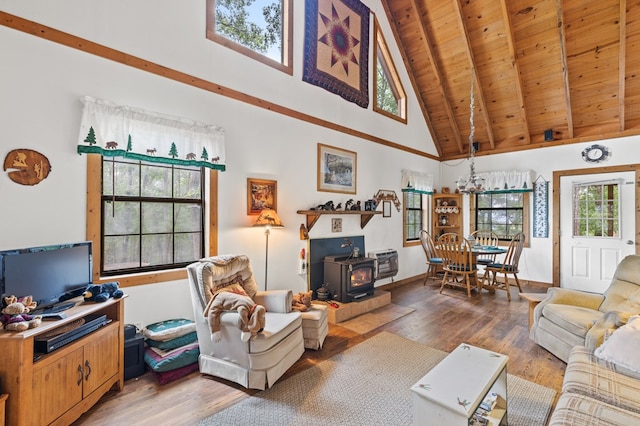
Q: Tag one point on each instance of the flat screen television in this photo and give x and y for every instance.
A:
(47, 273)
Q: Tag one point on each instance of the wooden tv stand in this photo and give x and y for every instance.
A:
(58, 387)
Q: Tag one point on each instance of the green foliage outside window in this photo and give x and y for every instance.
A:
(238, 20)
(501, 213)
(596, 210)
(386, 98)
(413, 215)
(152, 216)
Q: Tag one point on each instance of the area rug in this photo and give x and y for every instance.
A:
(364, 323)
(367, 384)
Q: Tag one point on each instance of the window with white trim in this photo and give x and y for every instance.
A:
(596, 210)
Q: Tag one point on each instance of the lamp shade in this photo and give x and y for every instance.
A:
(268, 217)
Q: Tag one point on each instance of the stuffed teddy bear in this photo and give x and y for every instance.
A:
(301, 301)
(234, 298)
(15, 314)
(102, 292)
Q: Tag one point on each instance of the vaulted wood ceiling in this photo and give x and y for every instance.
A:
(569, 66)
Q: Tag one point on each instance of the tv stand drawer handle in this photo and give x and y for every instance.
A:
(88, 366)
(79, 382)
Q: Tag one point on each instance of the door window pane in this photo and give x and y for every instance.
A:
(596, 210)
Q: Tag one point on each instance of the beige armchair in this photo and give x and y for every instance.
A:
(265, 357)
(568, 318)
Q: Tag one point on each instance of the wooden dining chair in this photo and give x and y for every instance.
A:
(434, 262)
(508, 266)
(457, 262)
(485, 237)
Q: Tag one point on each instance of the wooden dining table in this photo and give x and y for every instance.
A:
(477, 250)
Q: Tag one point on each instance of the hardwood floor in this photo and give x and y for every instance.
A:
(441, 321)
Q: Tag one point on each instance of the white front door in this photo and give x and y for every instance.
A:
(597, 228)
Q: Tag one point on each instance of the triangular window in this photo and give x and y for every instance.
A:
(390, 98)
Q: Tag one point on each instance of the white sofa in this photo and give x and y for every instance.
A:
(265, 357)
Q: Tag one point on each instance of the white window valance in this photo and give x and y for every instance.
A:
(121, 131)
(413, 181)
(508, 181)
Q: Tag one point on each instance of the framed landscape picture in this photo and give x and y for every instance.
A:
(337, 169)
(261, 194)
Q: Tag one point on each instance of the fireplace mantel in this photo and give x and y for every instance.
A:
(314, 215)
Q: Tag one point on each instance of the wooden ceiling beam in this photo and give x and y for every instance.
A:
(565, 70)
(478, 87)
(622, 67)
(424, 34)
(516, 69)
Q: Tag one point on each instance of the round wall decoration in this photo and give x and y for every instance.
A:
(596, 153)
(27, 167)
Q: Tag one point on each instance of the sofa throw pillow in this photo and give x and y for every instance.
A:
(623, 346)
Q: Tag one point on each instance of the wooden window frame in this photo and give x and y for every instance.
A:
(526, 218)
(425, 217)
(285, 65)
(381, 50)
(94, 199)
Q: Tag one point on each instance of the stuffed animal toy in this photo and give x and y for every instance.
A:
(301, 301)
(102, 292)
(234, 298)
(15, 314)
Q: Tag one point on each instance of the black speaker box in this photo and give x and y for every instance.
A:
(133, 356)
(130, 331)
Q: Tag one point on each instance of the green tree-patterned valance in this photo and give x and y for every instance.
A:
(121, 131)
(414, 181)
(508, 181)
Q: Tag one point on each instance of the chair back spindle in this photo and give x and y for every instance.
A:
(457, 262)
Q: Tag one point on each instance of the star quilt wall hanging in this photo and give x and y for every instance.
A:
(336, 48)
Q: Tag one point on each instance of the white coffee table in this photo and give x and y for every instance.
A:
(452, 391)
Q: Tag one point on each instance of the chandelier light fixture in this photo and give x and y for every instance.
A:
(473, 183)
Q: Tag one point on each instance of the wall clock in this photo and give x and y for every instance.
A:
(596, 153)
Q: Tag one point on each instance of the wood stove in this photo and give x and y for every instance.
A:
(349, 278)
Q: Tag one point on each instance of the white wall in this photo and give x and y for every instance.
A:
(537, 260)
(42, 82)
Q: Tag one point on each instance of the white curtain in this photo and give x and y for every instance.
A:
(115, 130)
(511, 180)
(417, 181)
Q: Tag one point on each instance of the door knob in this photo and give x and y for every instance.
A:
(629, 242)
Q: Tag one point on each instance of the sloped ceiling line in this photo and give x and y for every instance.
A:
(622, 69)
(565, 68)
(516, 70)
(424, 34)
(481, 101)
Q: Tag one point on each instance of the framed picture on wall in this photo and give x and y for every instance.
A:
(386, 209)
(337, 169)
(261, 194)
